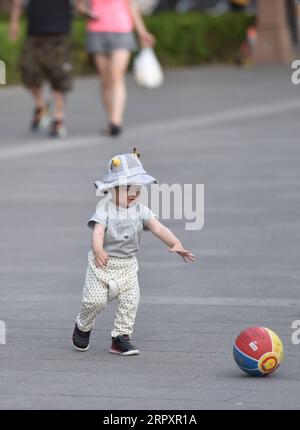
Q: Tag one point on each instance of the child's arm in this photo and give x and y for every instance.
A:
(14, 25)
(169, 238)
(101, 256)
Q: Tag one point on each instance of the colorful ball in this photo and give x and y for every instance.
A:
(258, 351)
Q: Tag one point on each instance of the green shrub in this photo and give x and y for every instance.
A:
(194, 38)
(182, 39)
(9, 52)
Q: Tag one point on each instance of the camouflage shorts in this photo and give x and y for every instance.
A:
(47, 58)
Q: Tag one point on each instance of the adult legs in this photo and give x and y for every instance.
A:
(112, 70)
(38, 97)
(59, 105)
(102, 62)
(118, 68)
(41, 112)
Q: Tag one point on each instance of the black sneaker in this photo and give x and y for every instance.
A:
(40, 119)
(81, 339)
(58, 129)
(122, 345)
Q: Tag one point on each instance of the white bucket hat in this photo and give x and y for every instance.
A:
(124, 169)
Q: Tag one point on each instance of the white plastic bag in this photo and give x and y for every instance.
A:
(147, 70)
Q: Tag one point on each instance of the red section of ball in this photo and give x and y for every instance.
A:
(254, 341)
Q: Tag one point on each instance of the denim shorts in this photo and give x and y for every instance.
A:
(106, 42)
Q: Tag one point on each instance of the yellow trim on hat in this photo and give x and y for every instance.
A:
(116, 162)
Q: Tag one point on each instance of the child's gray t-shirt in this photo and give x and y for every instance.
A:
(123, 227)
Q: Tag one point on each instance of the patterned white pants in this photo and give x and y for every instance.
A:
(95, 293)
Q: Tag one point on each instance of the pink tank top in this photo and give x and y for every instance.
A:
(114, 16)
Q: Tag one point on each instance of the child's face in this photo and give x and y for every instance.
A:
(127, 195)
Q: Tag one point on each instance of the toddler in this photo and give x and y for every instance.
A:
(117, 226)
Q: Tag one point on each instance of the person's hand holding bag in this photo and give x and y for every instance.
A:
(146, 39)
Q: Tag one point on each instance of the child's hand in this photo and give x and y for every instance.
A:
(184, 253)
(101, 258)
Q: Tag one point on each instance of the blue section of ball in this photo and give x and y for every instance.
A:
(246, 363)
(251, 372)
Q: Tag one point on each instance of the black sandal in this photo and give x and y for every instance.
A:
(111, 130)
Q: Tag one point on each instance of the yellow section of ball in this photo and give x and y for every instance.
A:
(277, 344)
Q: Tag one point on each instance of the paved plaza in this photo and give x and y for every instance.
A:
(235, 131)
